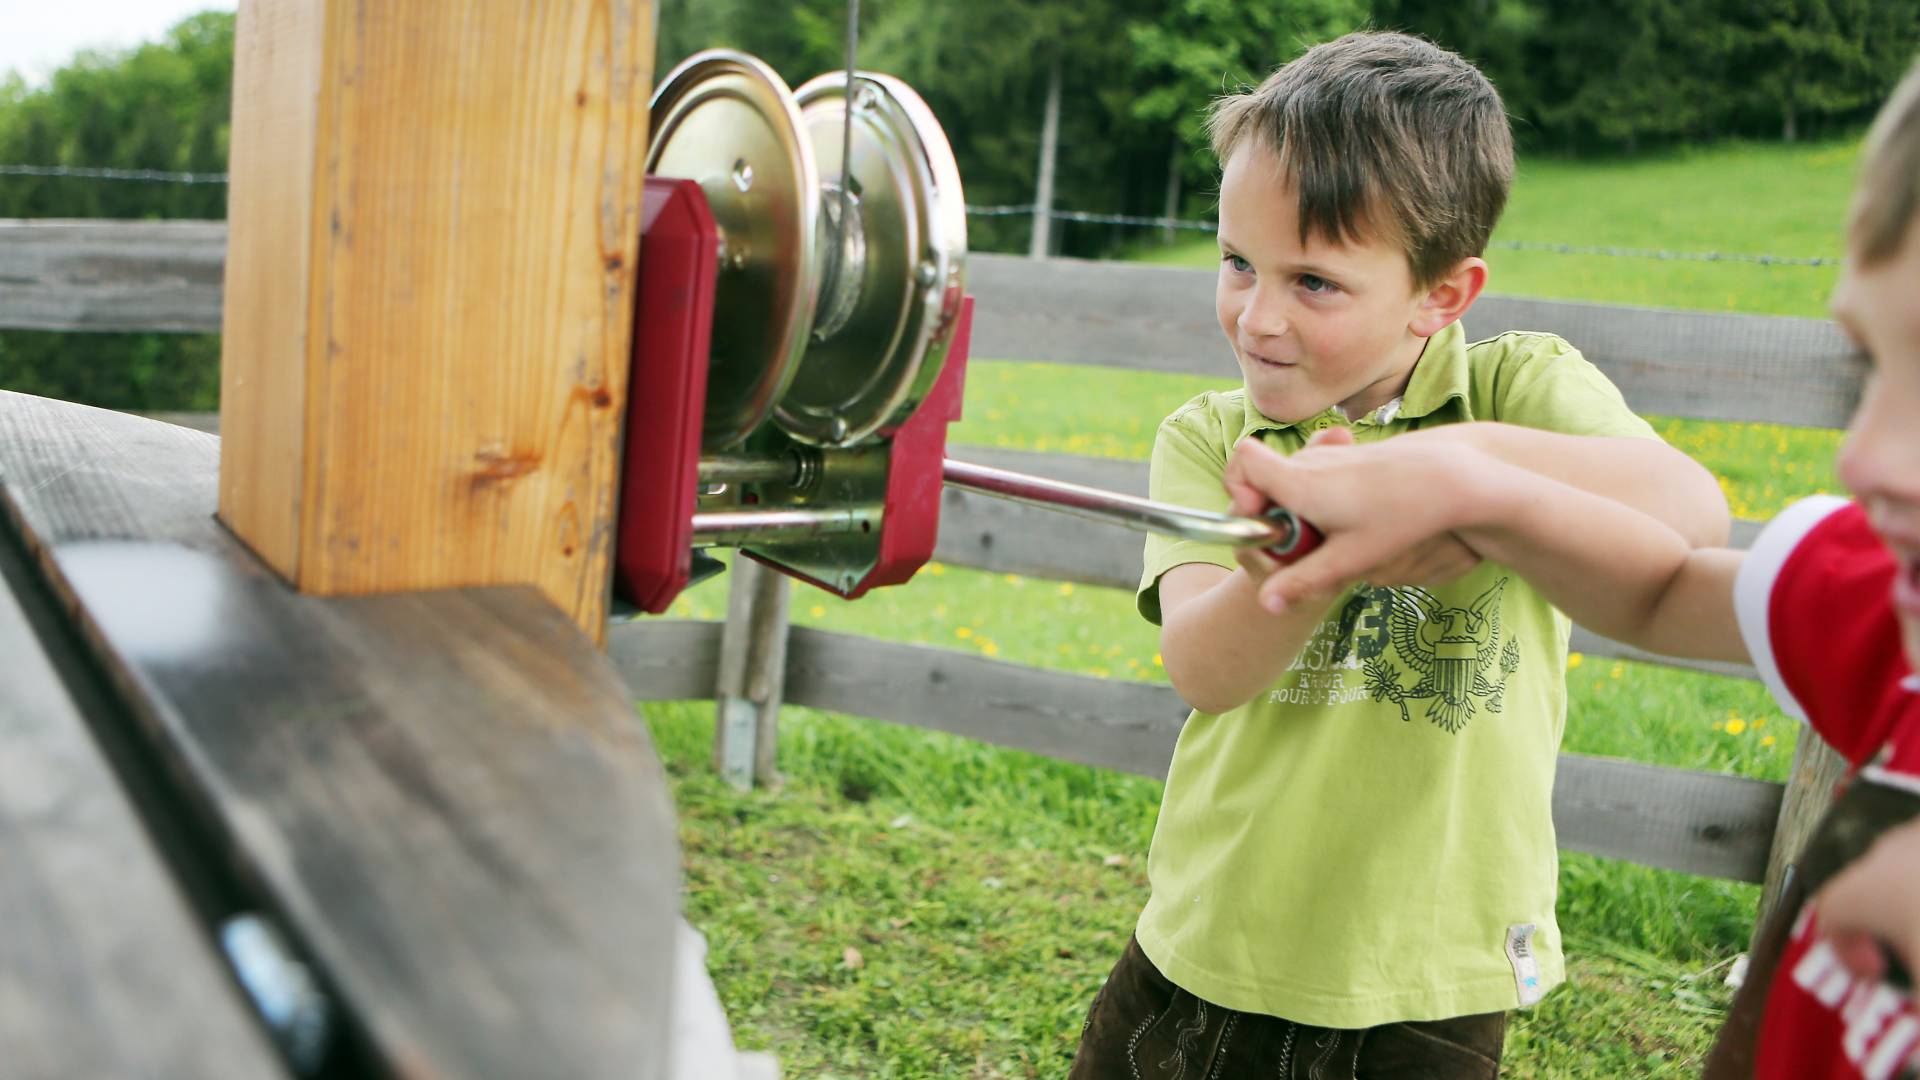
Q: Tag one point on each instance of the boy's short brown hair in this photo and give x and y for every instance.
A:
(1384, 133)
(1889, 195)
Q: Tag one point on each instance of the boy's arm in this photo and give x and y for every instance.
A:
(1219, 646)
(1646, 474)
(1612, 568)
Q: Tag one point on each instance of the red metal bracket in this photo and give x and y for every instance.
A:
(667, 392)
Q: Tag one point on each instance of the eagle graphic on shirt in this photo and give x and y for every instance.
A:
(1452, 649)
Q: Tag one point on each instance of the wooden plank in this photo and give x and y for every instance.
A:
(666, 659)
(104, 967)
(434, 228)
(1702, 823)
(1111, 723)
(1817, 772)
(1705, 365)
(111, 275)
(1676, 819)
(444, 795)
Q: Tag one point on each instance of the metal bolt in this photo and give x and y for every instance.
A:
(927, 274)
(283, 990)
(742, 175)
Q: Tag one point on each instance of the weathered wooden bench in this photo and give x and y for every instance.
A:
(417, 833)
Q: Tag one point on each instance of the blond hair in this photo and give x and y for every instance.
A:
(1889, 193)
(1382, 132)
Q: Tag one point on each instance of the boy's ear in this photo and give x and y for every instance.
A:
(1450, 297)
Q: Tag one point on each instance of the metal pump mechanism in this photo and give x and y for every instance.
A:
(801, 340)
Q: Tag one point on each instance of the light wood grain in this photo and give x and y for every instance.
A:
(444, 796)
(427, 328)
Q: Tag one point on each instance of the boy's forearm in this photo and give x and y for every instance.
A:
(1221, 649)
(1611, 568)
(1645, 474)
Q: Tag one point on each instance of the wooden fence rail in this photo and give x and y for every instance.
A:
(165, 276)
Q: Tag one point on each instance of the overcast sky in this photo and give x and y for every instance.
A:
(37, 36)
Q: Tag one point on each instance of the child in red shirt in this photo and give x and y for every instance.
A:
(1826, 604)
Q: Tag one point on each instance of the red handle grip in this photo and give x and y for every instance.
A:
(1297, 537)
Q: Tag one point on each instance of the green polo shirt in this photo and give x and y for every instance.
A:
(1370, 840)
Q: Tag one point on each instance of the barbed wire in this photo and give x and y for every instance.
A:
(1017, 209)
(153, 175)
(1027, 209)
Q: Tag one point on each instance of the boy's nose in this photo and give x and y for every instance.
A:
(1263, 316)
(1881, 447)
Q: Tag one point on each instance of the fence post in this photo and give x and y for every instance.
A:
(1040, 241)
(1817, 768)
(752, 677)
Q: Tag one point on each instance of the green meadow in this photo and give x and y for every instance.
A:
(909, 904)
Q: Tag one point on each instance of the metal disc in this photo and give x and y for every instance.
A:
(728, 122)
(877, 347)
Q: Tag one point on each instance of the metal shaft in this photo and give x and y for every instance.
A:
(734, 528)
(1281, 531)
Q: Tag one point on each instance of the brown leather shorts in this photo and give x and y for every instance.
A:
(1142, 1027)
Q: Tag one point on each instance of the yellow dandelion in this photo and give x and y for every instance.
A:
(936, 569)
(1736, 725)
(1100, 671)
(1767, 740)
(1012, 579)
(816, 611)
(1617, 671)
(963, 632)
(1760, 723)
(988, 648)
(1156, 661)
(1574, 660)
(1066, 588)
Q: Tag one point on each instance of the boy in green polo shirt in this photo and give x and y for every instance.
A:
(1354, 867)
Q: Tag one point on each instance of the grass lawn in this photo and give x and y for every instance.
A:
(911, 904)
(1739, 199)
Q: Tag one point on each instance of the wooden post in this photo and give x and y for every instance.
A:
(1040, 241)
(752, 676)
(1817, 768)
(433, 228)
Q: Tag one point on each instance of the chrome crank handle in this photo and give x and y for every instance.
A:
(1282, 534)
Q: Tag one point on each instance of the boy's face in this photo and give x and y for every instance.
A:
(1879, 306)
(1312, 325)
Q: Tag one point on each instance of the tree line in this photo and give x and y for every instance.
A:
(1578, 76)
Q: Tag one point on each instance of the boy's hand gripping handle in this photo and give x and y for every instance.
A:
(1277, 531)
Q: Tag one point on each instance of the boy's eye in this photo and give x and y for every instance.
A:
(1314, 283)
(1237, 264)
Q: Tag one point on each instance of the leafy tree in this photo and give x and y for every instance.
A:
(1185, 57)
(1819, 59)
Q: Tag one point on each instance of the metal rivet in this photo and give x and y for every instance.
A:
(742, 175)
(927, 274)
